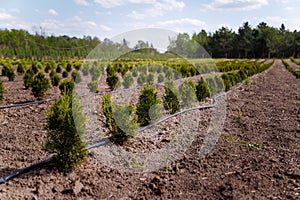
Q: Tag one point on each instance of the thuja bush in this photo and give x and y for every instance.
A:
(54, 77)
(122, 126)
(202, 90)
(142, 79)
(187, 92)
(58, 69)
(65, 74)
(85, 69)
(20, 68)
(127, 80)
(76, 76)
(150, 78)
(134, 72)
(47, 68)
(67, 87)
(40, 85)
(28, 78)
(93, 86)
(96, 70)
(112, 81)
(69, 67)
(1, 91)
(8, 71)
(65, 128)
(160, 78)
(149, 108)
(212, 85)
(170, 99)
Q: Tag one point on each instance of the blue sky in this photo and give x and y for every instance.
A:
(105, 19)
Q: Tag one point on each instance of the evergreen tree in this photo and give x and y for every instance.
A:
(148, 100)
(202, 90)
(65, 128)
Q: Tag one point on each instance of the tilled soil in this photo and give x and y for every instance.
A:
(256, 156)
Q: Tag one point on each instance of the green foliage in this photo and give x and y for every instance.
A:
(170, 99)
(96, 71)
(296, 73)
(212, 85)
(160, 78)
(36, 67)
(1, 91)
(63, 138)
(202, 90)
(40, 85)
(122, 126)
(67, 87)
(141, 80)
(85, 69)
(148, 109)
(134, 72)
(112, 81)
(127, 80)
(28, 78)
(76, 76)
(150, 78)
(93, 86)
(8, 71)
(58, 69)
(65, 74)
(20, 68)
(48, 67)
(187, 92)
(54, 77)
(69, 67)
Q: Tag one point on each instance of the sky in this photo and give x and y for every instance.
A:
(108, 18)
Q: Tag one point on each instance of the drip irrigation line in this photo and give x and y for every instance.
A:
(27, 103)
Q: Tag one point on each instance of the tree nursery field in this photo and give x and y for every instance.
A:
(255, 153)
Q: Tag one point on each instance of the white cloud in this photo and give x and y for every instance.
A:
(241, 5)
(289, 8)
(105, 28)
(82, 2)
(276, 19)
(15, 10)
(4, 15)
(162, 4)
(183, 21)
(52, 12)
(158, 9)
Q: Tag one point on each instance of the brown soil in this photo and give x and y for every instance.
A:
(256, 157)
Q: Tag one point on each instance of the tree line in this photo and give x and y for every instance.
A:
(262, 41)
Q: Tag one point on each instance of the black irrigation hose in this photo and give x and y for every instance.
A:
(27, 103)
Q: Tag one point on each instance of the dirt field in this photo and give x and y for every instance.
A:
(257, 155)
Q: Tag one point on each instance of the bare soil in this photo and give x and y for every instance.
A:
(256, 156)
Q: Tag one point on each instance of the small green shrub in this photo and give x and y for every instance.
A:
(85, 69)
(187, 92)
(76, 76)
(48, 67)
(134, 72)
(150, 78)
(63, 139)
(212, 85)
(20, 68)
(202, 90)
(65, 74)
(160, 78)
(67, 87)
(28, 78)
(127, 80)
(93, 86)
(141, 80)
(170, 99)
(58, 69)
(40, 85)
(148, 100)
(122, 126)
(54, 77)
(69, 67)
(8, 71)
(112, 81)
